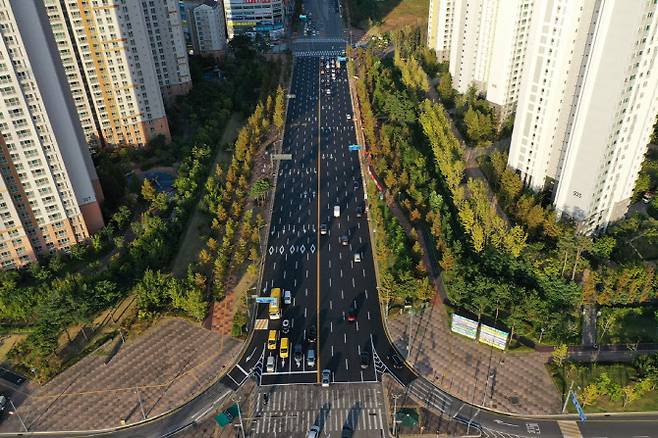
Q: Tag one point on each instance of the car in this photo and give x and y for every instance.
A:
(323, 228)
(351, 314)
(310, 357)
(647, 197)
(343, 240)
(287, 297)
(270, 364)
(328, 91)
(298, 355)
(349, 116)
(359, 210)
(326, 377)
(285, 326)
(355, 185)
(271, 340)
(395, 360)
(312, 334)
(365, 359)
(336, 210)
(314, 432)
(347, 432)
(283, 348)
(3, 403)
(357, 257)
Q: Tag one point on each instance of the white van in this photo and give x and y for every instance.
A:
(270, 364)
(336, 210)
(287, 297)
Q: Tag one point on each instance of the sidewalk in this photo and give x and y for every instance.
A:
(167, 365)
(512, 382)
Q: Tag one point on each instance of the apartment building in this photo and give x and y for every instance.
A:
(251, 17)
(208, 28)
(587, 105)
(49, 190)
(121, 58)
(165, 30)
(485, 43)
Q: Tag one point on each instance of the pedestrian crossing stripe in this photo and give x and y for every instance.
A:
(261, 324)
(569, 429)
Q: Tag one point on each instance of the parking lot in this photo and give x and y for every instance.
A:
(354, 410)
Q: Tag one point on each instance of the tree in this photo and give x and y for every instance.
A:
(260, 189)
(148, 190)
(559, 354)
(590, 394)
(603, 246)
(152, 290)
(446, 92)
(279, 108)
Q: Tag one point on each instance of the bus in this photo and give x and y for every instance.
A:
(275, 307)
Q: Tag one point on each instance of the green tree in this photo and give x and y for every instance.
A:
(446, 92)
(559, 355)
(152, 290)
(148, 190)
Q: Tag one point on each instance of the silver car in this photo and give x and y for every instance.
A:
(326, 377)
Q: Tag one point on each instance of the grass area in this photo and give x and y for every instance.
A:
(628, 325)
(386, 15)
(7, 342)
(407, 12)
(621, 374)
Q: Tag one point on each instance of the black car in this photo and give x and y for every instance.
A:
(359, 211)
(344, 240)
(395, 360)
(323, 228)
(312, 334)
(365, 359)
(298, 355)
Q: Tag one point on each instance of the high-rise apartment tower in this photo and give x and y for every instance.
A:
(485, 43)
(587, 105)
(49, 190)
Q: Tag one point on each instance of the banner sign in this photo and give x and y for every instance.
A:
(492, 336)
(464, 326)
(266, 300)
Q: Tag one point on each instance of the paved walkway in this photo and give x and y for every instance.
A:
(170, 363)
(518, 382)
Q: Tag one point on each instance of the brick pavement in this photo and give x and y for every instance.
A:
(170, 363)
(519, 382)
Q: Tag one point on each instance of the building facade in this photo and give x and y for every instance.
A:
(485, 42)
(121, 58)
(252, 17)
(208, 29)
(165, 30)
(587, 106)
(49, 190)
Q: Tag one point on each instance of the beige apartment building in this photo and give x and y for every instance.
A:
(121, 58)
(49, 190)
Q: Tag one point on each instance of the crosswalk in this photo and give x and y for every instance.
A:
(295, 409)
(316, 53)
(569, 429)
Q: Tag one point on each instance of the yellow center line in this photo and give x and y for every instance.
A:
(317, 274)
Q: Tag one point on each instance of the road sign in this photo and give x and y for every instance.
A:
(354, 147)
(341, 59)
(282, 156)
(579, 409)
(492, 336)
(266, 300)
(464, 326)
(302, 17)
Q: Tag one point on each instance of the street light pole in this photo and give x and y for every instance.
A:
(237, 403)
(395, 409)
(13, 406)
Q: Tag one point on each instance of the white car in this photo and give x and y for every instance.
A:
(270, 364)
(287, 297)
(326, 378)
(349, 117)
(336, 210)
(357, 257)
(314, 432)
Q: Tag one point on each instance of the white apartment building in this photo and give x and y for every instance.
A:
(49, 190)
(587, 105)
(485, 43)
(109, 53)
(439, 27)
(208, 29)
(165, 31)
(251, 17)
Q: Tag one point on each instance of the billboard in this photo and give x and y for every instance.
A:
(464, 326)
(492, 336)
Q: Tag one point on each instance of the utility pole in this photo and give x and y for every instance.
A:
(395, 412)
(141, 406)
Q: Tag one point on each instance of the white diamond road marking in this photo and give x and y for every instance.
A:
(281, 250)
(292, 249)
(271, 250)
(312, 248)
(302, 249)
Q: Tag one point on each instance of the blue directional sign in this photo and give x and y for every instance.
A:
(266, 300)
(342, 59)
(355, 147)
(579, 408)
(302, 17)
